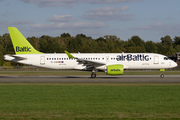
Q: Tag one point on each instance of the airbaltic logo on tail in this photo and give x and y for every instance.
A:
(23, 49)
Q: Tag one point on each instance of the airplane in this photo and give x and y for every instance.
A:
(110, 63)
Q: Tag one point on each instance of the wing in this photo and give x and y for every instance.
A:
(88, 63)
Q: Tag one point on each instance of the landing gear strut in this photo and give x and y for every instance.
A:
(162, 75)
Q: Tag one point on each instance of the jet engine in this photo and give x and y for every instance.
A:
(114, 69)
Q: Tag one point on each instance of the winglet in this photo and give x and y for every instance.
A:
(20, 44)
(68, 54)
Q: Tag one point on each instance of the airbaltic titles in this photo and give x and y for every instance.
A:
(130, 57)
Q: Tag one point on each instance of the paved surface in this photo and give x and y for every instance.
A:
(87, 79)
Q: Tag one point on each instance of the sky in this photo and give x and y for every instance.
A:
(149, 19)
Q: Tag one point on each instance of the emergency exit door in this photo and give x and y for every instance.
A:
(107, 58)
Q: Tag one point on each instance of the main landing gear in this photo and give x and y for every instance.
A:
(93, 74)
(162, 75)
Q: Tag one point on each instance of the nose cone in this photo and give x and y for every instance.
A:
(173, 64)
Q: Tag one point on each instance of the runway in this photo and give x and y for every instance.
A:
(87, 79)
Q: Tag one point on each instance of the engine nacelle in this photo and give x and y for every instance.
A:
(114, 70)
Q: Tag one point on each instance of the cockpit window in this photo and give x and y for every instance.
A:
(166, 58)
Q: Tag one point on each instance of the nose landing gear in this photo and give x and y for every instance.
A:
(162, 75)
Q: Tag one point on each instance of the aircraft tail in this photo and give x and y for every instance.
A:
(20, 43)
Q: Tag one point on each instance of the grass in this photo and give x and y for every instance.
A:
(89, 101)
(75, 72)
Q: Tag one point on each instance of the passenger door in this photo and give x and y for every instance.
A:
(156, 60)
(42, 60)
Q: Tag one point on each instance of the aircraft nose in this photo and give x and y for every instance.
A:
(174, 64)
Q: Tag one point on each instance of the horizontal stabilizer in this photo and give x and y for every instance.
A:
(19, 57)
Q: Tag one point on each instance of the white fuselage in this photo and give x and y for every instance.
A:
(128, 60)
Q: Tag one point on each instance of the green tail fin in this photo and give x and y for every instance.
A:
(20, 44)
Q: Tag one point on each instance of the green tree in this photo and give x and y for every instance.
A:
(166, 40)
(45, 44)
(137, 41)
(150, 47)
(176, 41)
(160, 48)
(102, 46)
(137, 49)
(7, 44)
(177, 48)
(34, 41)
(72, 45)
(1, 55)
(65, 35)
(49, 44)
(172, 51)
(113, 43)
(166, 45)
(81, 36)
(130, 43)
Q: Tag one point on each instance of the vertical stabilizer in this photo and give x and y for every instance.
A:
(20, 44)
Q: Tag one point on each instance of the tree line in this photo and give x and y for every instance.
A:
(82, 43)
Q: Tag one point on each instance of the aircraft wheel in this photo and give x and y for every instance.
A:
(162, 76)
(93, 75)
